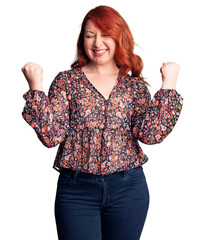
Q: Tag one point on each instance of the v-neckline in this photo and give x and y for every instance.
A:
(95, 89)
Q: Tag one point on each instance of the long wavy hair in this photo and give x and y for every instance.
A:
(111, 22)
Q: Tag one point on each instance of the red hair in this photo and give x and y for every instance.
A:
(111, 22)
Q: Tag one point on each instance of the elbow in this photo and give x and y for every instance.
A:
(47, 142)
(151, 140)
(154, 136)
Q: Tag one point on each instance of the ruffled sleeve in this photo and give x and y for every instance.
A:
(48, 115)
(154, 119)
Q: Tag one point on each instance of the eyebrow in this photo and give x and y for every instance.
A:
(89, 31)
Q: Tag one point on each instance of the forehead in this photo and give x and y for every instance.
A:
(90, 26)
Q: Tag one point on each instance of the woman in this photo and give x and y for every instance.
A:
(98, 112)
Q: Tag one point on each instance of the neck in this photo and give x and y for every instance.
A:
(104, 69)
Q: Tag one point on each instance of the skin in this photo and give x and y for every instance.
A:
(102, 70)
(100, 48)
(34, 75)
(170, 72)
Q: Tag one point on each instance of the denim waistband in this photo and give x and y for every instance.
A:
(75, 173)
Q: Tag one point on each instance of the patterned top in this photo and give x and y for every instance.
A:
(96, 135)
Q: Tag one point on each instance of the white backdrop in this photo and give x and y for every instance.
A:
(46, 32)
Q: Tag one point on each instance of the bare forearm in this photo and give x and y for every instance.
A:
(168, 85)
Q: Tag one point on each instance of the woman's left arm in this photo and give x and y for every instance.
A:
(154, 119)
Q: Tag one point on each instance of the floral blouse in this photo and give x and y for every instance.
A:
(98, 135)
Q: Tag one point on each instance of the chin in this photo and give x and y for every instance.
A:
(101, 62)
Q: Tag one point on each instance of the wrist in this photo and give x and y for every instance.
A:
(168, 85)
(36, 87)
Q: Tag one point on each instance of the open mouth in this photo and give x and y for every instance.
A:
(99, 52)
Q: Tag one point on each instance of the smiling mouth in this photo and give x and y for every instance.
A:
(99, 52)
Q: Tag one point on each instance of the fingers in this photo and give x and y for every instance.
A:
(170, 63)
(28, 65)
(34, 74)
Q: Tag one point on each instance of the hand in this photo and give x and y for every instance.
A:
(34, 75)
(170, 72)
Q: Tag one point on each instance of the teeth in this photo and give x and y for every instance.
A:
(99, 51)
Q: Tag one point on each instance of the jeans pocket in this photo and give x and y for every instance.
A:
(64, 179)
(136, 175)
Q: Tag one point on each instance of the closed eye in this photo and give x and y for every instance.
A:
(92, 36)
(88, 36)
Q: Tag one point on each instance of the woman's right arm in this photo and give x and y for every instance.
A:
(48, 115)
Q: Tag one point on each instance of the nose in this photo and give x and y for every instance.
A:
(98, 41)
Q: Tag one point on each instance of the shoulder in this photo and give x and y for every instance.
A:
(137, 84)
(65, 77)
(70, 74)
(62, 79)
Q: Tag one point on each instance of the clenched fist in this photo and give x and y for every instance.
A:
(34, 75)
(170, 72)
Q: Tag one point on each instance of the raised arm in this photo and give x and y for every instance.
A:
(48, 115)
(154, 119)
(158, 116)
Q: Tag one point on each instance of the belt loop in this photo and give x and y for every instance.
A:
(75, 175)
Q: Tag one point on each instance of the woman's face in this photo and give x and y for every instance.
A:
(99, 47)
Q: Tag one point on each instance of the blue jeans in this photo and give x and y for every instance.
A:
(93, 207)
